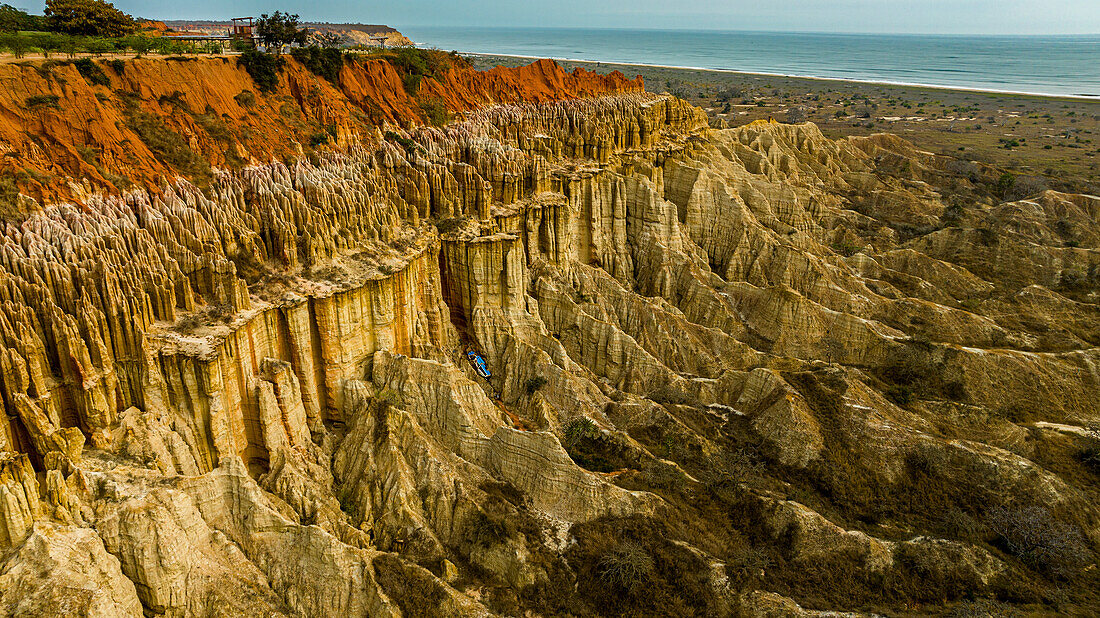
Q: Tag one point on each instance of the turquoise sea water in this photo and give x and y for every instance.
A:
(1063, 65)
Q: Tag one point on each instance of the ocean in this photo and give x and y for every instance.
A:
(1056, 65)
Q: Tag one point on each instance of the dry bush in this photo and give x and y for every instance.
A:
(729, 468)
(411, 587)
(612, 555)
(1041, 541)
(489, 528)
(1090, 452)
(627, 566)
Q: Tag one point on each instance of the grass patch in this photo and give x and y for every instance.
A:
(9, 198)
(169, 147)
(245, 98)
(435, 110)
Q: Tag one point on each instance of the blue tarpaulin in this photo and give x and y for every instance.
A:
(480, 366)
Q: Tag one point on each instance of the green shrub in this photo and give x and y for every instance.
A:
(140, 45)
(1073, 280)
(579, 429)
(749, 562)
(661, 475)
(42, 100)
(727, 468)
(953, 213)
(436, 111)
(1004, 183)
(48, 43)
(176, 100)
(410, 60)
(590, 449)
(263, 68)
(414, 64)
(69, 45)
(118, 65)
(92, 72)
(97, 47)
(984, 608)
(908, 365)
(409, 147)
(323, 62)
(163, 46)
(214, 125)
(986, 236)
(13, 20)
(634, 567)
(845, 247)
(954, 390)
(671, 394)
(411, 82)
(16, 44)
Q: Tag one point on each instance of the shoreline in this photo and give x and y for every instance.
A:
(1049, 136)
(844, 80)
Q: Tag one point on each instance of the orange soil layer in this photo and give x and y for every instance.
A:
(87, 133)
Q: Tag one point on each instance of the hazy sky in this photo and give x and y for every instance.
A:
(886, 16)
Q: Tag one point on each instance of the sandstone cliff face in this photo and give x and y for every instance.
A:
(711, 349)
(144, 121)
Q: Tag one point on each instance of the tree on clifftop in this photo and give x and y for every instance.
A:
(13, 20)
(280, 29)
(88, 18)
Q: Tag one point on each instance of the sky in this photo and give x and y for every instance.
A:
(867, 16)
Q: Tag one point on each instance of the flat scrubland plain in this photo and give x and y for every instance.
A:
(1052, 141)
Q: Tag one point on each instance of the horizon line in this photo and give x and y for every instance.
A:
(761, 31)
